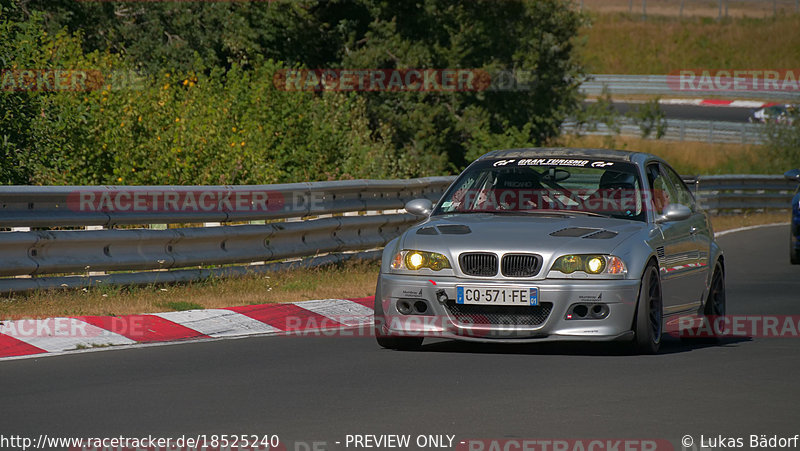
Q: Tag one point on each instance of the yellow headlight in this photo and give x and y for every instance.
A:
(595, 265)
(414, 260)
(590, 264)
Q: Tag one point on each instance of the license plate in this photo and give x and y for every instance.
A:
(497, 296)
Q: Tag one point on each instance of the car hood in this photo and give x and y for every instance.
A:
(535, 233)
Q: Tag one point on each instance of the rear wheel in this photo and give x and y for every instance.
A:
(715, 304)
(647, 325)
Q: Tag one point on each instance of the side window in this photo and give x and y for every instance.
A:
(684, 196)
(662, 193)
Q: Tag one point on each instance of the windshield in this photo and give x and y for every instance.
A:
(607, 188)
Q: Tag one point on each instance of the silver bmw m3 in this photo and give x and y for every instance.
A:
(531, 245)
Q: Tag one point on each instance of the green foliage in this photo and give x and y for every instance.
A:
(783, 144)
(444, 131)
(601, 111)
(203, 108)
(225, 127)
(650, 118)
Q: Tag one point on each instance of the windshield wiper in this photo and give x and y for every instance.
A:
(590, 213)
(536, 211)
(556, 212)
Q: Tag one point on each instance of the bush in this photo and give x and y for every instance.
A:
(205, 109)
(783, 144)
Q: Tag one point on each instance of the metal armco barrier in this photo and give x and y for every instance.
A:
(65, 206)
(670, 85)
(299, 222)
(680, 130)
(720, 193)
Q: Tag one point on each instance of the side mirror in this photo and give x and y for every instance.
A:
(793, 175)
(674, 212)
(419, 207)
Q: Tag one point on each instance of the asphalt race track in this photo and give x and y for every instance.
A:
(695, 113)
(321, 389)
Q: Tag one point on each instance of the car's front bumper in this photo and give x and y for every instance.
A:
(513, 324)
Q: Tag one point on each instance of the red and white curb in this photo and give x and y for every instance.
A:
(718, 102)
(755, 104)
(36, 337)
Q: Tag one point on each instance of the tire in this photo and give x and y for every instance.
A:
(648, 322)
(716, 303)
(794, 254)
(387, 341)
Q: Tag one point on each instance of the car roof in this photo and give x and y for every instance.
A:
(605, 154)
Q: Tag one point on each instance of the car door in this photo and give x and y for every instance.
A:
(699, 264)
(678, 250)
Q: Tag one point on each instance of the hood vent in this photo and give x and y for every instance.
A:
(601, 235)
(454, 229)
(427, 231)
(574, 232)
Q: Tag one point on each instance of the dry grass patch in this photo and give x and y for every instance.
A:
(349, 280)
(729, 222)
(624, 44)
(696, 8)
(687, 157)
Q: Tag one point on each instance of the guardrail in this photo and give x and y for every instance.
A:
(108, 206)
(721, 193)
(679, 130)
(671, 85)
(340, 219)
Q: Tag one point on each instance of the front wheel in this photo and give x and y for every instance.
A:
(648, 322)
(394, 342)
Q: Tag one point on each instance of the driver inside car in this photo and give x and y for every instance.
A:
(615, 193)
